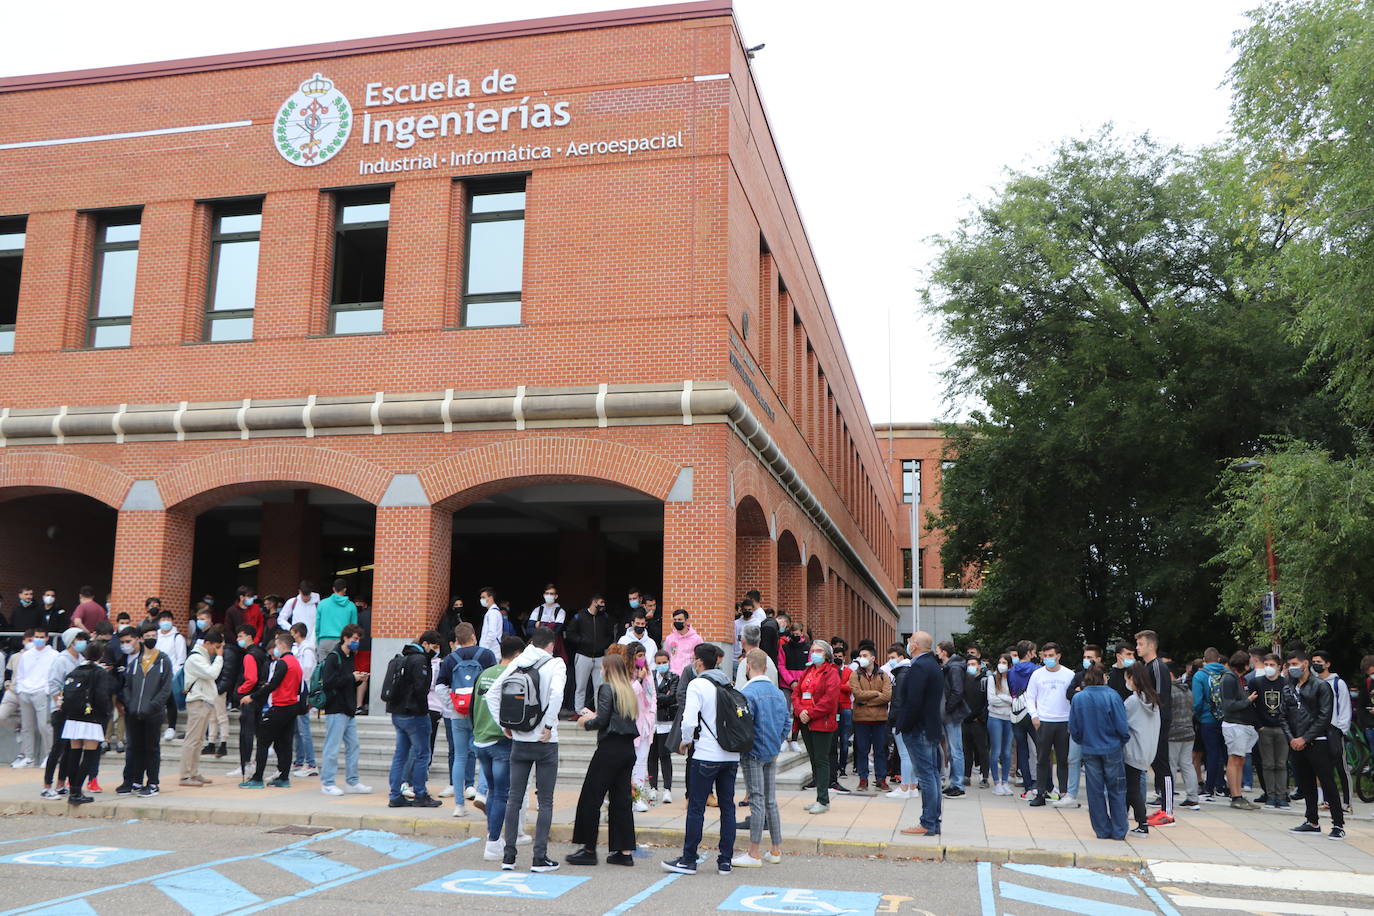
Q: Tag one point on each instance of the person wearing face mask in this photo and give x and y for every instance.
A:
(75, 640)
(1274, 735)
(148, 680)
(55, 618)
(279, 698)
(1307, 707)
(682, 642)
(26, 616)
(333, 614)
(550, 614)
(173, 645)
(1181, 737)
(976, 723)
(449, 618)
(665, 684)
(31, 672)
(302, 607)
(751, 637)
(246, 610)
(816, 705)
(639, 633)
(493, 622)
(871, 689)
(1047, 705)
(997, 692)
(203, 667)
(635, 602)
(340, 680)
(252, 672)
(589, 636)
(1092, 655)
(1116, 675)
(654, 619)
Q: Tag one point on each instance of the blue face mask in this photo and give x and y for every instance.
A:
(661, 668)
(1087, 663)
(164, 625)
(79, 646)
(817, 658)
(1127, 662)
(634, 602)
(1051, 663)
(200, 624)
(39, 642)
(243, 644)
(353, 645)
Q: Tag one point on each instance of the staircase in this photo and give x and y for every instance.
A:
(377, 740)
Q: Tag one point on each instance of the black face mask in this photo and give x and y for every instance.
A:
(639, 631)
(150, 642)
(1318, 668)
(680, 624)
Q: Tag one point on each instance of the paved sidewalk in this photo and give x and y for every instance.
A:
(979, 826)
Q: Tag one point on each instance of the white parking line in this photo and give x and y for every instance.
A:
(1264, 906)
(1270, 879)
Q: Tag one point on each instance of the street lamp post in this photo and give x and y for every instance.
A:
(1271, 597)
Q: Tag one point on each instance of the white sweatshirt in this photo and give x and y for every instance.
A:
(297, 611)
(553, 678)
(1045, 694)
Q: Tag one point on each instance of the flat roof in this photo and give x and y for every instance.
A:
(597, 20)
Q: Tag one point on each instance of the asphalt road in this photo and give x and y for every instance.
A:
(64, 867)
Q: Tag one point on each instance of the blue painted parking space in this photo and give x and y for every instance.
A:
(800, 901)
(73, 856)
(503, 884)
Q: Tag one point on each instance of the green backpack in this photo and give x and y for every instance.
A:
(317, 696)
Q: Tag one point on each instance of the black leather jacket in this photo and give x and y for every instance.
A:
(608, 721)
(1307, 708)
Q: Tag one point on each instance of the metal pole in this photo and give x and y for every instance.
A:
(916, 552)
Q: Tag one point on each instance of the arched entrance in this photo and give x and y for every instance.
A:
(792, 582)
(755, 566)
(57, 539)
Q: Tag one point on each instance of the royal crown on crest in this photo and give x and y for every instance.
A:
(316, 85)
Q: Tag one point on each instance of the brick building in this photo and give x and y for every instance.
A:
(918, 454)
(492, 306)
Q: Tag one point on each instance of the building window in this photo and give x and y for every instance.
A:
(954, 578)
(233, 289)
(11, 268)
(906, 567)
(112, 285)
(495, 258)
(911, 481)
(359, 261)
(921, 565)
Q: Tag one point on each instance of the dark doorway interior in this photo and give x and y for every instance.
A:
(56, 540)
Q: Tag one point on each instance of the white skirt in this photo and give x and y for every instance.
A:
(82, 731)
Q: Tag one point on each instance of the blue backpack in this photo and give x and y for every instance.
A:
(464, 680)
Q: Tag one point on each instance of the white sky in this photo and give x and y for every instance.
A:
(890, 115)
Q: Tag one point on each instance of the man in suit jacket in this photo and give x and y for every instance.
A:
(920, 722)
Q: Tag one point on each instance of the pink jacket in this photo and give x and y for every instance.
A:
(680, 647)
(648, 710)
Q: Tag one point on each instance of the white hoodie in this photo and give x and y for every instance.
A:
(553, 679)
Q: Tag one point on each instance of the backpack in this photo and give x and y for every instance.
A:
(1214, 693)
(465, 675)
(316, 696)
(520, 708)
(78, 693)
(734, 729)
(393, 680)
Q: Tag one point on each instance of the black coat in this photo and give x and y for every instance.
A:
(922, 691)
(339, 685)
(591, 634)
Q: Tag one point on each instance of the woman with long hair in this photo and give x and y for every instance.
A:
(616, 722)
(999, 725)
(647, 698)
(1142, 717)
(816, 704)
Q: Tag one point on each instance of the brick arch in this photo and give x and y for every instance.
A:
(750, 520)
(748, 480)
(477, 473)
(28, 473)
(204, 482)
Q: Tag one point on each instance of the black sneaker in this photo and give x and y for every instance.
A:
(1142, 830)
(583, 856)
(953, 792)
(1157, 802)
(222, 749)
(809, 784)
(147, 792)
(208, 749)
(1305, 827)
(425, 801)
(724, 868)
(1337, 833)
(543, 864)
(836, 787)
(400, 801)
(680, 865)
(125, 789)
(1261, 799)
(983, 783)
(1038, 801)
(86, 800)
(508, 860)
(620, 858)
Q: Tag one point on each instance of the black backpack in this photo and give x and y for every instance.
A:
(395, 686)
(520, 707)
(734, 729)
(78, 692)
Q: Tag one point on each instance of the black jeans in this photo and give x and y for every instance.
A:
(818, 746)
(57, 754)
(277, 730)
(975, 747)
(1314, 764)
(609, 773)
(1053, 737)
(660, 757)
(1135, 794)
(143, 755)
(248, 730)
(172, 711)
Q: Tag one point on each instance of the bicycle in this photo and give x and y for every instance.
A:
(1360, 758)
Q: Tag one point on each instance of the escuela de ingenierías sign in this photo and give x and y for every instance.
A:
(315, 122)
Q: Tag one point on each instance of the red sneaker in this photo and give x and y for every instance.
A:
(1160, 819)
(93, 786)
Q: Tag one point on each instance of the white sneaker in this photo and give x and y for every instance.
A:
(651, 795)
(744, 860)
(331, 790)
(358, 789)
(1067, 801)
(447, 793)
(407, 791)
(21, 762)
(478, 799)
(49, 793)
(236, 771)
(786, 746)
(460, 811)
(667, 798)
(494, 851)
(772, 859)
(469, 793)
(169, 735)
(641, 806)
(303, 772)
(797, 747)
(898, 792)
(524, 839)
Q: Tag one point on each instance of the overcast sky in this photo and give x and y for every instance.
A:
(891, 116)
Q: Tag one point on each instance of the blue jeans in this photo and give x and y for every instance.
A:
(908, 768)
(495, 761)
(870, 735)
(305, 742)
(1106, 794)
(999, 749)
(1025, 752)
(925, 760)
(463, 764)
(410, 761)
(954, 738)
(1075, 765)
(339, 727)
(703, 778)
(1214, 752)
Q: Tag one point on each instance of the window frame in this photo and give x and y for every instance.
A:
(474, 190)
(912, 496)
(908, 570)
(94, 321)
(251, 207)
(11, 226)
(349, 198)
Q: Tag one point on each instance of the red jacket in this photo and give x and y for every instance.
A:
(285, 681)
(818, 693)
(846, 692)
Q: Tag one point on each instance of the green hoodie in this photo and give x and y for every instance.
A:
(335, 613)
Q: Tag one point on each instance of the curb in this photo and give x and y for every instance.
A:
(562, 833)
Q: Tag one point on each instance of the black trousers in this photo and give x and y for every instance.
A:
(276, 731)
(975, 747)
(609, 772)
(1336, 748)
(171, 711)
(660, 757)
(248, 730)
(1135, 794)
(143, 754)
(1053, 737)
(1315, 765)
(57, 754)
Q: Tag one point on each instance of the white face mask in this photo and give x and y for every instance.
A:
(1270, 671)
(48, 600)
(1001, 667)
(865, 661)
(486, 602)
(550, 598)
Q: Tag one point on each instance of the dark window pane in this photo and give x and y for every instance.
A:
(10, 270)
(360, 272)
(111, 335)
(115, 297)
(236, 275)
(231, 329)
(358, 321)
(486, 314)
(127, 232)
(242, 222)
(496, 257)
(495, 203)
